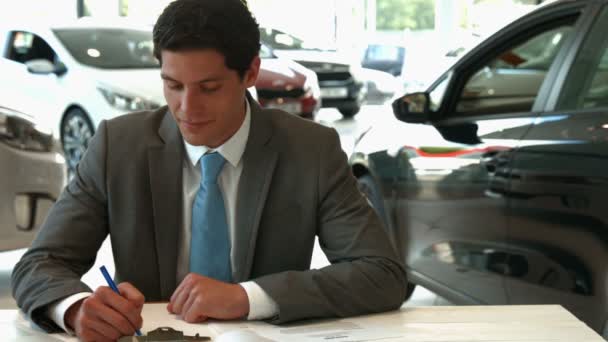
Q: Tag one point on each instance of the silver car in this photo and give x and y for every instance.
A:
(33, 174)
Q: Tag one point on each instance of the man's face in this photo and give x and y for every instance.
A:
(207, 98)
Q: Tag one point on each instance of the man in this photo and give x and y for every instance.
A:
(212, 204)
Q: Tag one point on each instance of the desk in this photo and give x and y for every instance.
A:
(530, 323)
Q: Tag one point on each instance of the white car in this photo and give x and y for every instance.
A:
(80, 73)
(33, 175)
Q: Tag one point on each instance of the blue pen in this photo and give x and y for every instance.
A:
(113, 287)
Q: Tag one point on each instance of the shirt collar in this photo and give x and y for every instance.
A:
(232, 150)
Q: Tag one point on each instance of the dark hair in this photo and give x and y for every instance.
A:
(226, 26)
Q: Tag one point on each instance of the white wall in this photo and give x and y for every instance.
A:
(37, 10)
(312, 20)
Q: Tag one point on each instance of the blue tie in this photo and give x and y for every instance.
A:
(210, 244)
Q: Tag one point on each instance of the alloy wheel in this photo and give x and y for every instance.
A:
(76, 131)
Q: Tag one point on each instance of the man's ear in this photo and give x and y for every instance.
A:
(252, 74)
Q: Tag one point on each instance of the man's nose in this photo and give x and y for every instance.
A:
(190, 101)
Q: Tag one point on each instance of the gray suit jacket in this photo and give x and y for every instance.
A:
(296, 184)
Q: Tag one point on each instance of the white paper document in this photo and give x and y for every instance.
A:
(338, 331)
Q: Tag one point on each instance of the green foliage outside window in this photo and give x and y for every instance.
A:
(405, 14)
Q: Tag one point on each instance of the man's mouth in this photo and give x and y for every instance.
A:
(194, 124)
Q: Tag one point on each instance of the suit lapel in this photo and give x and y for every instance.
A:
(259, 162)
(165, 162)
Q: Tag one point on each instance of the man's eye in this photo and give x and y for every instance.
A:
(174, 86)
(210, 88)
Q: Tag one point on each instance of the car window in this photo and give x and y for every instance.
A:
(26, 46)
(586, 85)
(510, 81)
(376, 52)
(266, 52)
(280, 40)
(437, 93)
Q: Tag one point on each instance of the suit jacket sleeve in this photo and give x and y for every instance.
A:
(68, 241)
(365, 275)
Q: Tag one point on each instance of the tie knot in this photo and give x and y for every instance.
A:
(211, 165)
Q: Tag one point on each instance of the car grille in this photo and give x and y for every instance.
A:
(329, 71)
(333, 76)
(273, 94)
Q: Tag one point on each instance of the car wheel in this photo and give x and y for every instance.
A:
(349, 112)
(368, 187)
(410, 290)
(76, 132)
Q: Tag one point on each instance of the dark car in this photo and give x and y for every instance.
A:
(493, 184)
(384, 57)
(286, 85)
(340, 82)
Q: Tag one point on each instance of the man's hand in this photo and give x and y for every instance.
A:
(105, 315)
(198, 298)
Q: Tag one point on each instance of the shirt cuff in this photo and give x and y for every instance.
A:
(261, 306)
(57, 310)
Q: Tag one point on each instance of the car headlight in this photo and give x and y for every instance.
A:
(312, 85)
(126, 102)
(20, 133)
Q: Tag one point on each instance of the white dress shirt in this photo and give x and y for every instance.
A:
(260, 304)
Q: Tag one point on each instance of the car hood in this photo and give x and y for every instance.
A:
(145, 83)
(278, 74)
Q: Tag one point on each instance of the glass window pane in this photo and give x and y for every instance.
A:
(510, 82)
(587, 82)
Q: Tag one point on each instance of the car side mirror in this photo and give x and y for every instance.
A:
(45, 67)
(413, 108)
(60, 68)
(40, 66)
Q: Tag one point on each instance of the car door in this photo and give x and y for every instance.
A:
(38, 94)
(454, 208)
(558, 228)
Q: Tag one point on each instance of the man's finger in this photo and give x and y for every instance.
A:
(177, 301)
(181, 294)
(186, 310)
(180, 288)
(102, 331)
(121, 306)
(132, 294)
(91, 335)
(192, 311)
(103, 318)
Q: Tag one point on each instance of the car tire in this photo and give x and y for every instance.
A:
(371, 191)
(349, 112)
(76, 132)
(410, 290)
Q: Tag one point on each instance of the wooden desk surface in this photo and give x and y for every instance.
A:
(530, 323)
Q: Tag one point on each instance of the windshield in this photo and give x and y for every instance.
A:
(266, 52)
(109, 48)
(378, 52)
(278, 40)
